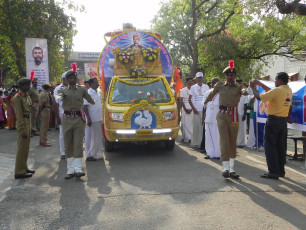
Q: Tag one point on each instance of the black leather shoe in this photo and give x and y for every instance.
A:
(269, 176)
(234, 175)
(21, 176)
(69, 176)
(30, 171)
(63, 157)
(91, 159)
(79, 174)
(226, 174)
(207, 157)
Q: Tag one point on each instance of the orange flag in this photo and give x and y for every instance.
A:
(102, 81)
(178, 83)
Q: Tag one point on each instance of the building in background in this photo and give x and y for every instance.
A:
(87, 64)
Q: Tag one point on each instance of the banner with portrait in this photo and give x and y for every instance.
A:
(37, 59)
(298, 112)
(134, 40)
(90, 70)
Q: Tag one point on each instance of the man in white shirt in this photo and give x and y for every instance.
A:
(196, 96)
(93, 130)
(209, 119)
(186, 122)
(242, 108)
(59, 113)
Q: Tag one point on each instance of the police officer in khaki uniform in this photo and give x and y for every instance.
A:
(34, 95)
(73, 123)
(22, 107)
(44, 113)
(227, 119)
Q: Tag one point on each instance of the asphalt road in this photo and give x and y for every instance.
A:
(148, 187)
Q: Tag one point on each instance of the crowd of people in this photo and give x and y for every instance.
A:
(70, 105)
(216, 118)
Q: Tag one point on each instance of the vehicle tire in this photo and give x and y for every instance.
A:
(108, 145)
(170, 144)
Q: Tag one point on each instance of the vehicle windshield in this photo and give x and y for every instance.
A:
(125, 93)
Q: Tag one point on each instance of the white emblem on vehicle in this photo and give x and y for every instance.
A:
(144, 119)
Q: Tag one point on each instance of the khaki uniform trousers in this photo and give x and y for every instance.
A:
(44, 125)
(73, 132)
(34, 111)
(228, 132)
(23, 146)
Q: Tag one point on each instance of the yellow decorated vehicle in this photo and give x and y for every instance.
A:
(139, 105)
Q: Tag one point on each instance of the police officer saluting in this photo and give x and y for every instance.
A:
(227, 118)
(22, 107)
(73, 122)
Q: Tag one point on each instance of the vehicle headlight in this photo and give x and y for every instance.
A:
(169, 115)
(116, 117)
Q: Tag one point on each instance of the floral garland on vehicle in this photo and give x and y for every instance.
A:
(144, 96)
(125, 56)
(149, 54)
(138, 71)
(126, 81)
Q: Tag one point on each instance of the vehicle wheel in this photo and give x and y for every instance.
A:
(108, 145)
(170, 144)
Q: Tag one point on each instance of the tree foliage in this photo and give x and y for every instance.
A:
(246, 37)
(297, 7)
(46, 19)
(184, 23)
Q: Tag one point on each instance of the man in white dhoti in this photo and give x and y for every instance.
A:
(93, 130)
(251, 138)
(186, 122)
(196, 95)
(59, 113)
(242, 108)
(209, 118)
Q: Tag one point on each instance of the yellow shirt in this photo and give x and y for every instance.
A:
(279, 100)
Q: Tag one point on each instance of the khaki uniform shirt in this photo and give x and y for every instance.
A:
(44, 98)
(72, 97)
(34, 95)
(229, 93)
(279, 100)
(22, 106)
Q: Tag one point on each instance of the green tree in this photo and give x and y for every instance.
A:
(184, 24)
(34, 19)
(297, 7)
(243, 37)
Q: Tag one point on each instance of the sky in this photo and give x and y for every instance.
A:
(104, 16)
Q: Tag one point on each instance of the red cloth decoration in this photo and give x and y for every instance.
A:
(178, 83)
(32, 75)
(231, 64)
(102, 81)
(74, 66)
(19, 94)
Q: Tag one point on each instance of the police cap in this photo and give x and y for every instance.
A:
(46, 85)
(24, 81)
(71, 73)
